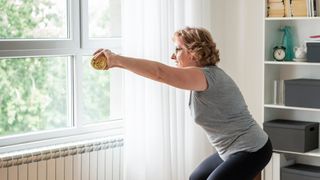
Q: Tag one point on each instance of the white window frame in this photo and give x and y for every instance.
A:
(77, 46)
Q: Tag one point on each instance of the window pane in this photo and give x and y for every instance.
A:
(33, 19)
(96, 93)
(104, 18)
(33, 94)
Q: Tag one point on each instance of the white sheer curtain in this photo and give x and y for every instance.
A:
(161, 140)
(239, 34)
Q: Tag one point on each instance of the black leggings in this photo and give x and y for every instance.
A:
(239, 166)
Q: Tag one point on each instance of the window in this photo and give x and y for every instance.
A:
(43, 19)
(48, 88)
(29, 102)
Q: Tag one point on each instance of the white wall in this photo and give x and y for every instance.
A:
(238, 31)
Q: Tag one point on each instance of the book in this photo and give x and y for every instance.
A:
(318, 7)
(276, 9)
(287, 8)
(299, 8)
(314, 38)
(311, 2)
(276, 5)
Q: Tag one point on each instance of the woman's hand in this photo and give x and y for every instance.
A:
(108, 57)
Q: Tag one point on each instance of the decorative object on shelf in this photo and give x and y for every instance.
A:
(299, 59)
(300, 54)
(279, 53)
(287, 42)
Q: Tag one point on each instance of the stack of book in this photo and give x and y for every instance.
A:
(314, 38)
(276, 8)
(293, 8)
(299, 8)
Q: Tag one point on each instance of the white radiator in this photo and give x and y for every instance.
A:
(90, 160)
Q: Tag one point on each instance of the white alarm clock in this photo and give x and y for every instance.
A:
(279, 53)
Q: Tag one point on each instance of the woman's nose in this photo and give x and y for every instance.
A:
(173, 56)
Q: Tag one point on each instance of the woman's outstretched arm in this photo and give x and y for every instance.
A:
(189, 78)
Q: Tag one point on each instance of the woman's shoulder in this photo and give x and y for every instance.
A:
(216, 73)
(212, 69)
(212, 73)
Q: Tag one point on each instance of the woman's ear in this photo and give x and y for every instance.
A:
(195, 59)
(193, 56)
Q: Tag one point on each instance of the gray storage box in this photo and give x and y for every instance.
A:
(300, 172)
(289, 135)
(313, 51)
(302, 93)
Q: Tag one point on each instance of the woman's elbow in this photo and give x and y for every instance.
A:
(161, 75)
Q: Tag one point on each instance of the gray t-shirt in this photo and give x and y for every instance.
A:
(222, 112)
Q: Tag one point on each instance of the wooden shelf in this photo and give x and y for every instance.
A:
(274, 106)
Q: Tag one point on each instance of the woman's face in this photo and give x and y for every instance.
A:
(182, 56)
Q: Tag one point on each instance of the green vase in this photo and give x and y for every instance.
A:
(287, 42)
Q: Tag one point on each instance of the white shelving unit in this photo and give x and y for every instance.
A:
(302, 28)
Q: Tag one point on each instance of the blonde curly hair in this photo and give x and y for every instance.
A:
(199, 42)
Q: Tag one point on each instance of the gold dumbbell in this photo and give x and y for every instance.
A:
(99, 63)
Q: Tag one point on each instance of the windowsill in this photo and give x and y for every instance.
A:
(65, 136)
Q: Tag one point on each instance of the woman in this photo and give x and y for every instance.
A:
(216, 103)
